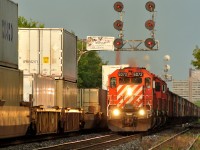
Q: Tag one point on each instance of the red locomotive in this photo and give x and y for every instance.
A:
(139, 100)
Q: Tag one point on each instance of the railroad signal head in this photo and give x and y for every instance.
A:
(150, 6)
(118, 43)
(150, 43)
(118, 6)
(118, 25)
(150, 24)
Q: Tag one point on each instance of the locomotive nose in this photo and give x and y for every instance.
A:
(116, 112)
(129, 91)
(141, 112)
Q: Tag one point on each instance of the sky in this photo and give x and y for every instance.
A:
(177, 28)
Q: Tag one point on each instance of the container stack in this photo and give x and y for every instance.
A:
(47, 57)
(11, 79)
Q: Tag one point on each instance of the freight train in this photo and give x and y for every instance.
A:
(38, 81)
(20, 118)
(38, 87)
(138, 100)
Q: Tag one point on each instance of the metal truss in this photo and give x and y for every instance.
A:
(137, 45)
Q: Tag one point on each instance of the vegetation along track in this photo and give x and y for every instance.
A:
(183, 140)
(96, 143)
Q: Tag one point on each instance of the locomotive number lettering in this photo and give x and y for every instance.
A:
(122, 74)
(137, 74)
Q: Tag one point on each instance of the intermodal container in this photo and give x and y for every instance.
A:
(39, 90)
(49, 52)
(92, 100)
(8, 33)
(66, 94)
(11, 86)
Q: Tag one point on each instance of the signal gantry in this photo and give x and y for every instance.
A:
(150, 43)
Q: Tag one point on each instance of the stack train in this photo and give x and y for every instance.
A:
(39, 94)
(138, 100)
(38, 81)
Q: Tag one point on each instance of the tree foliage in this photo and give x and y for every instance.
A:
(24, 23)
(196, 54)
(89, 68)
(197, 103)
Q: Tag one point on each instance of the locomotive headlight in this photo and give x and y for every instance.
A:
(116, 112)
(141, 112)
(129, 91)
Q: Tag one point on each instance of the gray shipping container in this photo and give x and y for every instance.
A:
(49, 52)
(8, 33)
(42, 89)
(11, 86)
(92, 100)
(66, 94)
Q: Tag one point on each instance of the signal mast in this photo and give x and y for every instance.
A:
(118, 25)
(134, 45)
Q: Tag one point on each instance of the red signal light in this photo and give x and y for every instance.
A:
(150, 24)
(150, 6)
(150, 43)
(118, 43)
(118, 25)
(118, 6)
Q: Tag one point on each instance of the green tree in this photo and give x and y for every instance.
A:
(24, 23)
(197, 103)
(89, 68)
(196, 54)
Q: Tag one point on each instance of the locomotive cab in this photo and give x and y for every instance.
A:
(130, 95)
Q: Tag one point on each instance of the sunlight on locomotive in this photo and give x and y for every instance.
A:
(129, 91)
(116, 112)
(141, 112)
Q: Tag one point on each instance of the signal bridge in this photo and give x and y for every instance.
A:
(137, 45)
(150, 44)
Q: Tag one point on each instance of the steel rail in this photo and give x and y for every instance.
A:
(165, 141)
(193, 142)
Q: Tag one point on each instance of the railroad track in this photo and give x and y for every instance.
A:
(192, 145)
(99, 142)
(182, 140)
(31, 139)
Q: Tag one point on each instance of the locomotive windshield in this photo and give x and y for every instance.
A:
(113, 82)
(128, 80)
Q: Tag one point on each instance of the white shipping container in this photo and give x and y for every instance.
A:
(49, 52)
(11, 86)
(8, 33)
(41, 88)
(108, 69)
